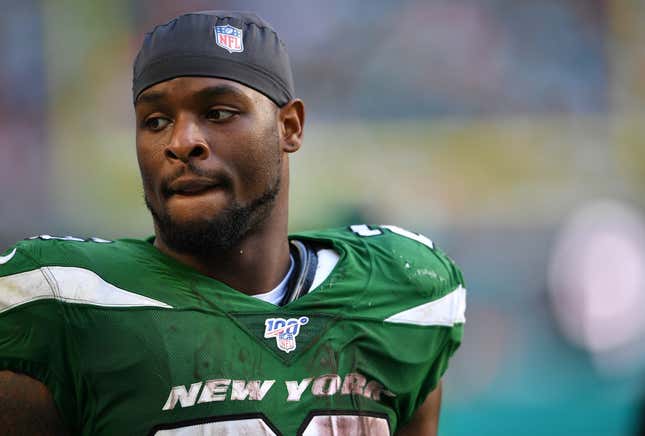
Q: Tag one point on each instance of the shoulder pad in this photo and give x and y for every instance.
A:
(413, 256)
(412, 281)
(66, 269)
(17, 259)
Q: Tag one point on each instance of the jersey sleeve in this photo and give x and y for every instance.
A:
(33, 338)
(419, 294)
(428, 333)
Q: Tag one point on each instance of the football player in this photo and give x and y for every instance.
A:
(222, 323)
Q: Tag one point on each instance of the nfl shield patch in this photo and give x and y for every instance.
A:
(284, 331)
(229, 38)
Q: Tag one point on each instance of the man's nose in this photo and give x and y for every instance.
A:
(187, 142)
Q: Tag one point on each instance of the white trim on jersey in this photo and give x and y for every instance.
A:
(8, 257)
(255, 426)
(446, 311)
(327, 260)
(68, 284)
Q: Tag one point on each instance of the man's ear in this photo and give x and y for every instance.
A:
(291, 117)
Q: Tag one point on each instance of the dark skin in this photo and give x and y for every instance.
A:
(241, 140)
(221, 126)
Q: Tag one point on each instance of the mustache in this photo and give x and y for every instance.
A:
(221, 177)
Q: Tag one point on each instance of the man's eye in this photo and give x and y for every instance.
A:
(156, 123)
(219, 114)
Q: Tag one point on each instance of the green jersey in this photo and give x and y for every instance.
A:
(130, 341)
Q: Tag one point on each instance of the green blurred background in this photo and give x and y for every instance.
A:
(511, 132)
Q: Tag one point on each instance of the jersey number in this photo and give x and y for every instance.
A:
(363, 230)
(315, 425)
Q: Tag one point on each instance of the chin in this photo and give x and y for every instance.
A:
(210, 223)
(203, 231)
(197, 216)
(195, 210)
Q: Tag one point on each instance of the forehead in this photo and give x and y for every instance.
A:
(200, 87)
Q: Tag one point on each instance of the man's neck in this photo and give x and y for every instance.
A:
(256, 264)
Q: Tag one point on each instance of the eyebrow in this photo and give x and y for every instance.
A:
(220, 91)
(203, 94)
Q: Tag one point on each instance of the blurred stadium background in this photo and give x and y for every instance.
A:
(509, 131)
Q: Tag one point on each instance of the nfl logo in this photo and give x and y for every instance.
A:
(284, 331)
(229, 38)
(286, 342)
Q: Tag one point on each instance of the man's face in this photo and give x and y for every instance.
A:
(210, 159)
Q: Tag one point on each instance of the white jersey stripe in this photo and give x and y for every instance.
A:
(8, 257)
(327, 260)
(446, 311)
(69, 284)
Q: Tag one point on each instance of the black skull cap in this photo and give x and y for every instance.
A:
(238, 46)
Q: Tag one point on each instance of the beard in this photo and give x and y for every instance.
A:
(220, 233)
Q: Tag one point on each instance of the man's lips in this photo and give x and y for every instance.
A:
(192, 186)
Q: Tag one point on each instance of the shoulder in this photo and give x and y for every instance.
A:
(47, 250)
(70, 269)
(410, 279)
(416, 260)
(396, 255)
(99, 255)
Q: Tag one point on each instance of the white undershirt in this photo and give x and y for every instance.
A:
(327, 260)
(276, 295)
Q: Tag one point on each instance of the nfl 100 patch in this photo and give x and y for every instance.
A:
(229, 38)
(284, 331)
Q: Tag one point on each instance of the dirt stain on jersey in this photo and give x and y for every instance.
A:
(327, 359)
(243, 355)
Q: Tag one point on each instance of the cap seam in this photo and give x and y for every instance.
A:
(276, 80)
